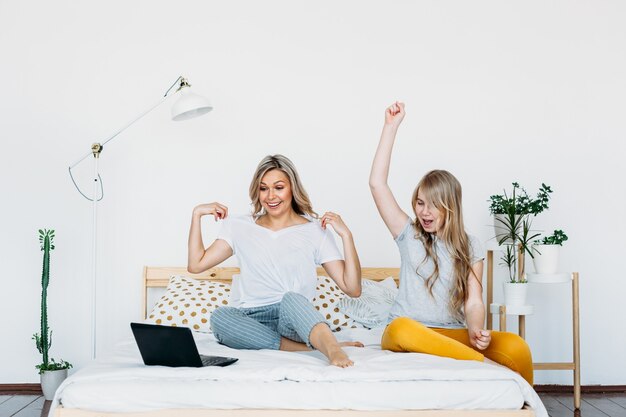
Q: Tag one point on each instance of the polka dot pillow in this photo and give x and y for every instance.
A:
(188, 302)
(326, 301)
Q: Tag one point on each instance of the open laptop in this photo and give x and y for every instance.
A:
(172, 346)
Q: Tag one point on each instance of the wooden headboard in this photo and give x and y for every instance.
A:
(158, 277)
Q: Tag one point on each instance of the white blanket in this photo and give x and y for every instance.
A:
(258, 367)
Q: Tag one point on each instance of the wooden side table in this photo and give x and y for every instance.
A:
(522, 311)
(503, 310)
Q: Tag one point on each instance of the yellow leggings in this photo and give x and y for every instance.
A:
(407, 335)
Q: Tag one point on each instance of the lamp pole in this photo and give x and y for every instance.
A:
(96, 148)
(193, 106)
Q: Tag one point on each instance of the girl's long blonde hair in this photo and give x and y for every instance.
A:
(300, 201)
(443, 191)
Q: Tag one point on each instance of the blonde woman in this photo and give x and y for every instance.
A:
(439, 308)
(278, 248)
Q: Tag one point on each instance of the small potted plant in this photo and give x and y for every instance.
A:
(51, 372)
(513, 212)
(510, 208)
(515, 288)
(546, 257)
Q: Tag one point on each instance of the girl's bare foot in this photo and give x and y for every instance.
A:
(355, 344)
(338, 357)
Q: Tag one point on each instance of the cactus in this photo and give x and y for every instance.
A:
(43, 340)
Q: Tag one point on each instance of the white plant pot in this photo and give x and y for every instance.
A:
(546, 258)
(50, 381)
(501, 229)
(515, 293)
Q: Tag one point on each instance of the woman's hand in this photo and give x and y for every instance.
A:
(217, 210)
(394, 114)
(480, 338)
(336, 222)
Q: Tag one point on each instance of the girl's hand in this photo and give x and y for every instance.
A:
(217, 210)
(394, 114)
(480, 338)
(336, 222)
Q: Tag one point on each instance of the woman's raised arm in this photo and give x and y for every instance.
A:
(199, 259)
(388, 207)
(346, 274)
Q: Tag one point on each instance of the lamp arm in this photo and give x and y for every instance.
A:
(114, 135)
(97, 147)
(183, 83)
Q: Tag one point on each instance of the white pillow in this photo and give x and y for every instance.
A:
(326, 301)
(189, 302)
(372, 308)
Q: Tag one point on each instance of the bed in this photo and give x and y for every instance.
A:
(275, 383)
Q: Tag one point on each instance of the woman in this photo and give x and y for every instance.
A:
(439, 308)
(278, 248)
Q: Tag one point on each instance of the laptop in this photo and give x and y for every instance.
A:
(172, 346)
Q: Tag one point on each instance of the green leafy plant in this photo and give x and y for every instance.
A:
(43, 340)
(520, 235)
(514, 210)
(519, 202)
(556, 238)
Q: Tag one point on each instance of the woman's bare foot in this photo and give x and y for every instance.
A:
(337, 357)
(322, 339)
(355, 344)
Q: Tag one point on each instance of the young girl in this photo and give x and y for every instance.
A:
(278, 248)
(439, 309)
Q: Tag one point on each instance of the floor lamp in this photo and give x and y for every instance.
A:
(188, 106)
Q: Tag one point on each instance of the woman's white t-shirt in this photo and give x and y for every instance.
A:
(275, 262)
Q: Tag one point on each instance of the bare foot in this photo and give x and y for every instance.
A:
(338, 357)
(355, 344)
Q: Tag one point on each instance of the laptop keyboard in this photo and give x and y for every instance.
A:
(211, 360)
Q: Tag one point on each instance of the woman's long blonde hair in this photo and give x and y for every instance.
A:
(443, 190)
(300, 201)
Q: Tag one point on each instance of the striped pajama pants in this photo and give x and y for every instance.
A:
(262, 327)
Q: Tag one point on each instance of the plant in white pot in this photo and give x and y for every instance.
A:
(513, 213)
(510, 208)
(520, 235)
(546, 257)
(51, 372)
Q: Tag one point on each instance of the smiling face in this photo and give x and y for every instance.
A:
(275, 193)
(430, 217)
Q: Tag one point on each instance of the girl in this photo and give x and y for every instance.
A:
(439, 308)
(278, 248)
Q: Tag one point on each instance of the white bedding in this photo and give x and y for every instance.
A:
(380, 380)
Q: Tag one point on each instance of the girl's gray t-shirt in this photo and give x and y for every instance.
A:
(414, 300)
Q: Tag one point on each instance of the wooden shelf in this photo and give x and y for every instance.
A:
(522, 311)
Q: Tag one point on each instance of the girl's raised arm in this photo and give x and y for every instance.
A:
(388, 207)
(199, 259)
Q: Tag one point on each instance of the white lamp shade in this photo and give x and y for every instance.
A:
(190, 105)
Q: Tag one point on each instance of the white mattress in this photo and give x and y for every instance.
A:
(380, 380)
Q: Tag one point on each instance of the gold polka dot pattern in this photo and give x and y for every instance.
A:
(327, 297)
(188, 302)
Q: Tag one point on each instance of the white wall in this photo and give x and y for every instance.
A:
(496, 91)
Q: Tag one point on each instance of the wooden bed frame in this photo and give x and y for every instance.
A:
(158, 277)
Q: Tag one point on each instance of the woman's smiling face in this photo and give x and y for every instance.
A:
(275, 192)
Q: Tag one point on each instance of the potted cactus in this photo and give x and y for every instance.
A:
(51, 372)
